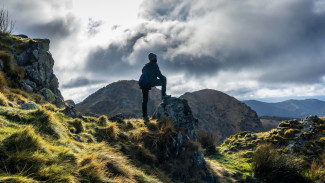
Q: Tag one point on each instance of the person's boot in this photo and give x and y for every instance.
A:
(165, 97)
(146, 120)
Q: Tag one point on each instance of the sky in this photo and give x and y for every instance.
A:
(249, 49)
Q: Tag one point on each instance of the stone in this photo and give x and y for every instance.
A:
(29, 106)
(72, 112)
(70, 103)
(26, 87)
(22, 35)
(180, 114)
(186, 126)
(118, 118)
(35, 53)
(51, 97)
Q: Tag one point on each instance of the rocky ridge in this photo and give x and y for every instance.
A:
(186, 126)
(36, 61)
(306, 137)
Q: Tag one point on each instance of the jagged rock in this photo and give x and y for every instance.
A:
(180, 114)
(22, 35)
(51, 97)
(70, 103)
(71, 111)
(29, 105)
(118, 118)
(26, 87)
(37, 62)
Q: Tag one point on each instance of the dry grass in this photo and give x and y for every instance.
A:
(269, 164)
(3, 100)
(3, 81)
(208, 142)
(103, 120)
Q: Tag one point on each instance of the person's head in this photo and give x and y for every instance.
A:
(152, 57)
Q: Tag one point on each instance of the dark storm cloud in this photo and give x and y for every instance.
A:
(79, 82)
(32, 18)
(279, 41)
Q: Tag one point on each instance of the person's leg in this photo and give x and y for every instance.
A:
(145, 94)
(162, 82)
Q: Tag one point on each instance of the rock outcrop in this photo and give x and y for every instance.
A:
(37, 62)
(304, 137)
(180, 114)
(221, 114)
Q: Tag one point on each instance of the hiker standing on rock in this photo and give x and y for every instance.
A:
(148, 79)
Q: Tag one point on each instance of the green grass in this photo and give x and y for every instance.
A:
(233, 162)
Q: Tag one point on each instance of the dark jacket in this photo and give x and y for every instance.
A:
(153, 72)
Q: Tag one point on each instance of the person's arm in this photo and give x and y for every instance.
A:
(158, 73)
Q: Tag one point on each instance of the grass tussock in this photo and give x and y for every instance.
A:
(3, 81)
(108, 134)
(273, 166)
(5, 178)
(103, 120)
(208, 142)
(93, 169)
(3, 100)
(76, 126)
(23, 140)
(13, 71)
(317, 170)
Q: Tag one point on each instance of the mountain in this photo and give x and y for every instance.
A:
(119, 97)
(288, 108)
(221, 114)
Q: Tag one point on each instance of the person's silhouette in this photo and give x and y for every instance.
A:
(155, 79)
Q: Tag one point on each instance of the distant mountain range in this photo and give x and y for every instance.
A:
(288, 108)
(217, 112)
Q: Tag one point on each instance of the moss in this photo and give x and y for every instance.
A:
(290, 133)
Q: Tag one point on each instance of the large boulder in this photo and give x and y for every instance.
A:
(38, 64)
(180, 114)
(183, 139)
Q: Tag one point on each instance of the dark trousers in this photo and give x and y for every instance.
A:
(145, 93)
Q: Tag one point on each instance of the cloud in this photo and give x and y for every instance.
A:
(79, 82)
(93, 26)
(43, 19)
(278, 41)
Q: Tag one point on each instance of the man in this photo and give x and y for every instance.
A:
(153, 73)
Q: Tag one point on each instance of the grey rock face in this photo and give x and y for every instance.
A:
(180, 114)
(38, 65)
(51, 97)
(70, 103)
(30, 105)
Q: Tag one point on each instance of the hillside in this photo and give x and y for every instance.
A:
(217, 112)
(288, 108)
(119, 97)
(292, 152)
(221, 114)
(43, 139)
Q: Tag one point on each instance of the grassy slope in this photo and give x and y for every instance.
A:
(38, 145)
